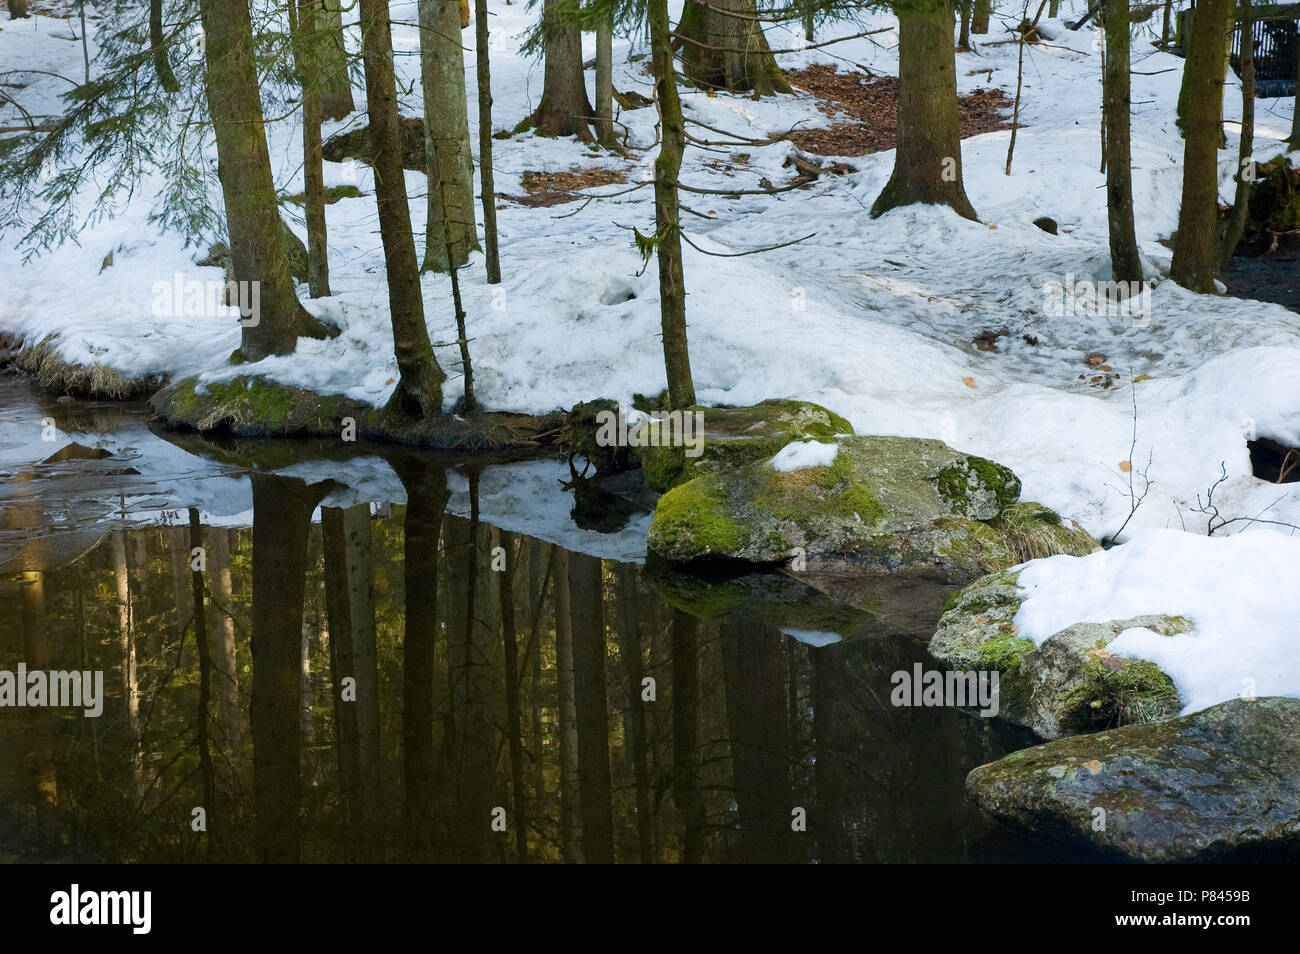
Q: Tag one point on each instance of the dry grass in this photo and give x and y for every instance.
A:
(52, 373)
(555, 188)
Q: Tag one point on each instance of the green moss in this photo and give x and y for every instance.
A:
(791, 495)
(958, 482)
(694, 517)
(1004, 652)
(1119, 692)
(1032, 531)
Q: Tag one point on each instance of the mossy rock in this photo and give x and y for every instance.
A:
(1067, 685)
(884, 505)
(1222, 784)
(735, 436)
(581, 435)
(355, 144)
(249, 406)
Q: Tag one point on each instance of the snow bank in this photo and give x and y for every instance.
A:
(800, 454)
(1239, 592)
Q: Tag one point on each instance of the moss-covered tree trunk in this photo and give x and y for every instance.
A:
(419, 385)
(258, 252)
(722, 47)
(487, 192)
(1126, 266)
(335, 82)
(564, 109)
(927, 162)
(672, 143)
(450, 225)
(307, 62)
(979, 20)
(1195, 262)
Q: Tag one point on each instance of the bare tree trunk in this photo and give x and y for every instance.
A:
(335, 82)
(629, 632)
(419, 386)
(126, 637)
(592, 709)
(206, 771)
(723, 47)
(605, 83)
(980, 13)
(927, 162)
(156, 40)
(227, 669)
(305, 53)
(488, 197)
(1195, 262)
(18, 9)
(963, 31)
(258, 252)
(686, 732)
(672, 143)
(570, 791)
(1125, 264)
(450, 227)
(514, 727)
(564, 109)
(1235, 226)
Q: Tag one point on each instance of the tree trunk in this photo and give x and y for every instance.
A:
(629, 649)
(672, 143)
(1235, 226)
(126, 637)
(156, 40)
(450, 227)
(720, 50)
(227, 670)
(1195, 262)
(927, 162)
(1053, 8)
(564, 109)
(335, 83)
(980, 13)
(257, 246)
(686, 734)
(488, 194)
(514, 721)
(570, 783)
(419, 386)
(305, 48)
(205, 689)
(17, 9)
(1125, 264)
(963, 31)
(605, 83)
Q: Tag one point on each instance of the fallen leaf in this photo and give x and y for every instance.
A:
(389, 381)
(1143, 377)
(992, 226)
(969, 382)
(1125, 466)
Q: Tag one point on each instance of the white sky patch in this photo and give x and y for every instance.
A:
(1239, 592)
(801, 454)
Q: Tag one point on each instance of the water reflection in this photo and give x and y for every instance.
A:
(402, 684)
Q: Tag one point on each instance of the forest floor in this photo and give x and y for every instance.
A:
(918, 323)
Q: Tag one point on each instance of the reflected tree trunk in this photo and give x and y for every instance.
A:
(206, 772)
(510, 648)
(570, 794)
(634, 724)
(686, 727)
(591, 708)
(126, 638)
(225, 666)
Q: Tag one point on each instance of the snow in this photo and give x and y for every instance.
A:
(1238, 591)
(813, 637)
(800, 454)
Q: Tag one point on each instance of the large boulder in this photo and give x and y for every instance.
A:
(1067, 685)
(1220, 784)
(862, 506)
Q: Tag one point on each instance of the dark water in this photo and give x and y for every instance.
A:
(409, 681)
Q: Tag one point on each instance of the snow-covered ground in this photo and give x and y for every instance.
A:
(872, 318)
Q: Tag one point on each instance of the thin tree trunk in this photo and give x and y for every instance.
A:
(1125, 264)
(686, 730)
(1235, 226)
(570, 791)
(126, 637)
(205, 692)
(419, 386)
(258, 252)
(980, 13)
(605, 82)
(226, 666)
(1195, 261)
(629, 645)
(1166, 26)
(672, 143)
(927, 162)
(591, 707)
(450, 227)
(564, 109)
(305, 49)
(159, 47)
(963, 31)
(488, 195)
(722, 46)
(335, 82)
(514, 727)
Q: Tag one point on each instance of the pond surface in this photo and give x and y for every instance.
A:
(388, 656)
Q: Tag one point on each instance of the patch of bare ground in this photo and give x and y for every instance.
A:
(865, 111)
(554, 188)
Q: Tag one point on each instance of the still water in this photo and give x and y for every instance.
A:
(387, 656)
